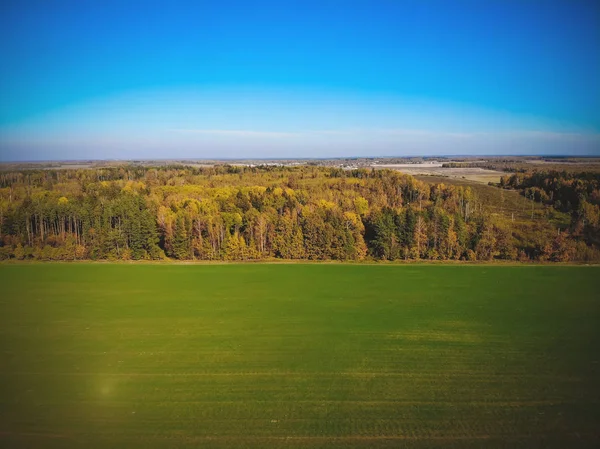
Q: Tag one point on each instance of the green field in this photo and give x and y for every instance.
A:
(316, 355)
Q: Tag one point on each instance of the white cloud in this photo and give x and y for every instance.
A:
(393, 132)
(236, 133)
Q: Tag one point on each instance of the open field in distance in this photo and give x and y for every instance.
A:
(303, 356)
(476, 174)
(479, 169)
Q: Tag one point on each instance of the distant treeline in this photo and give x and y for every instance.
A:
(509, 165)
(247, 213)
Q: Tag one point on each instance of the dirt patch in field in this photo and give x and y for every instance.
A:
(480, 175)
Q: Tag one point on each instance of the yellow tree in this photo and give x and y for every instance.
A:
(420, 236)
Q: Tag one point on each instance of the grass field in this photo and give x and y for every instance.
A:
(303, 356)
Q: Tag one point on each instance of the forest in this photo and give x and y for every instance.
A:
(576, 194)
(269, 212)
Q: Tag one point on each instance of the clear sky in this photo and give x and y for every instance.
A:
(208, 79)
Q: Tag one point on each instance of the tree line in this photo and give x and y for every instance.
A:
(250, 213)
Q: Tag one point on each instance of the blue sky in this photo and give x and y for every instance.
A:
(104, 79)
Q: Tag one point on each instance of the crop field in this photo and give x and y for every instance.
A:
(299, 355)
